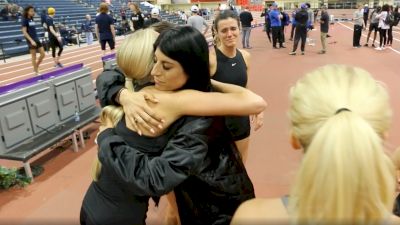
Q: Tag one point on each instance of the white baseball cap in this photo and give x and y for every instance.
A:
(194, 8)
(155, 11)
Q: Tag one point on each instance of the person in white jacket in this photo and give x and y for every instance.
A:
(383, 27)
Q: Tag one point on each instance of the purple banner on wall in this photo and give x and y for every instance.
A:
(108, 57)
(33, 80)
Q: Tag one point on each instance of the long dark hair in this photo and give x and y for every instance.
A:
(188, 46)
(26, 11)
(223, 15)
(385, 8)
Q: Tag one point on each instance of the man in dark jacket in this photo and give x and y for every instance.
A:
(324, 21)
(301, 29)
(267, 25)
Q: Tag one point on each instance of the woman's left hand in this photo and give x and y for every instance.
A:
(257, 120)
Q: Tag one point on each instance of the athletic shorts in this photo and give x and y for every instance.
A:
(373, 26)
(38, 44)
(239, 127)
(110, 42)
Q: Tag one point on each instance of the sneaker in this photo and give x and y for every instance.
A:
(378, 48)
(373, 45)
(60, 65)
(366, 45)
(249, 47)
(282, 46)
(275, 47)
(322, 52)
(302, 53)
(292, 53)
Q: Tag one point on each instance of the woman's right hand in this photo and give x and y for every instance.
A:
(137, 111)
(33, 43)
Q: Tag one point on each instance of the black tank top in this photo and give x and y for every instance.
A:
(231, 70)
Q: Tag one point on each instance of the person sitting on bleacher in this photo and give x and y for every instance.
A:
(339, 118)
(5, 13)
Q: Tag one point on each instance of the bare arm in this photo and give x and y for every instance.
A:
(113, 30)
(207, 27)
(235, 101)
(96, 28)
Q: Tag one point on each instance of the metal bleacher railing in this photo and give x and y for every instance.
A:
(41, 111)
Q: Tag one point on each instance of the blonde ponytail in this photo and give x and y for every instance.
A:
(135, 59)
(345, 176)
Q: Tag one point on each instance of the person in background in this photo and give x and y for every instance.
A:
(365, 15)
(373, 25)
(344, 149)
(267, 24)
(43, 18)
(301, 29)
(358, 26)
(87, 29)
(32, 39)
(310, 24)
(54, 38)
(390, 31)
(245, 20)
(183, 16)
(284, 22)
(296, 8)
(197, 21)
(154, 18)
(324, 21)
(5, 12)
(383, 27)
(137, 17)
(105, 30)
(276, 17)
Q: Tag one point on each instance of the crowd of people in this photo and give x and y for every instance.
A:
(154, 141)
(11, 12)
(381, 19)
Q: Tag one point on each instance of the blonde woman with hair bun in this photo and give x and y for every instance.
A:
(339, 117)
(188, 154)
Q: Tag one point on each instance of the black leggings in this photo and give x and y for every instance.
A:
(55, 44)
(390, 36)
(382, 37)
(301, 33)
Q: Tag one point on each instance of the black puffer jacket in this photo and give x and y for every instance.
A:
(209, 179)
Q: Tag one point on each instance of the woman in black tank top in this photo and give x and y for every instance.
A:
(229, 65)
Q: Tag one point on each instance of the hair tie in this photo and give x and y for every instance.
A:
(341, 110)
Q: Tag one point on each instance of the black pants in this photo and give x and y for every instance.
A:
(292, 32)
(268, 30)
(357, 35)
(390, 35)
(283, 34)
(382, 37)
(276, 36)
(365, 21)
(301, 33)
(55, 44)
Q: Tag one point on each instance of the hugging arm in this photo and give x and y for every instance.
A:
(182, 156)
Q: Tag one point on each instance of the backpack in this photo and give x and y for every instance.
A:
(389, 19)
(396, 19)
(287, 19)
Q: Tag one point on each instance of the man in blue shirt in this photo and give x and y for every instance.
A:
(276, 17)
